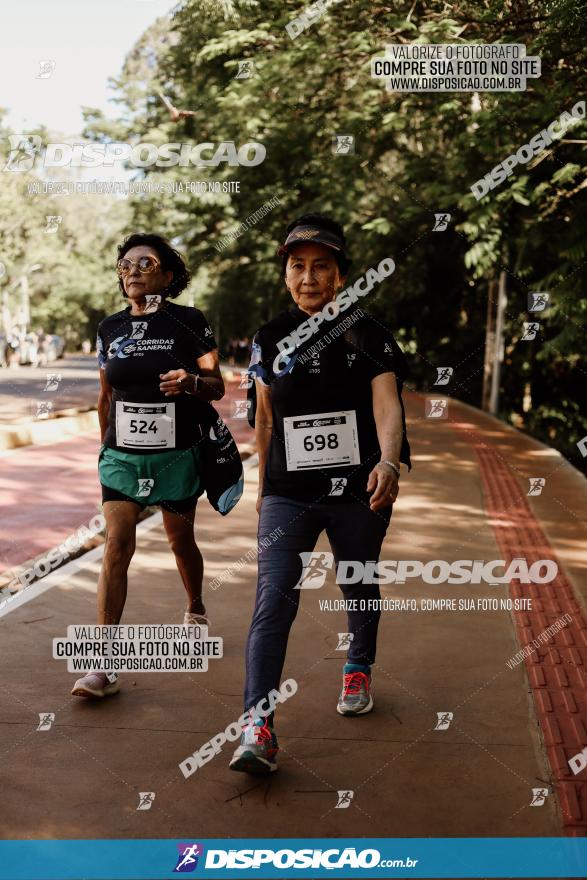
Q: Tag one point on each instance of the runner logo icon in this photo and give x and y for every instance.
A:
(444, 719)
(537, 301)
(146, 799)
(46, 719)
(539, 795)
(138, 329)
(23, 150)
(444, 375)
(314, 570)
(537, 484)
(437, 408)
(338, 485)
(52, 383)
(241, 408)
(344, 800)
(344, 641)
(530, 331)
(152, 301)
(441, 222)
(188, 855)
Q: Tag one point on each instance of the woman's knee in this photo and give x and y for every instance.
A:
(119, 549)
(183, 546)
(275, 607)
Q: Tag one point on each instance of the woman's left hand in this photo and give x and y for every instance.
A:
(176, 382)
(384, 484)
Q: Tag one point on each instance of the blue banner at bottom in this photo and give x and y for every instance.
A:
(369, 858)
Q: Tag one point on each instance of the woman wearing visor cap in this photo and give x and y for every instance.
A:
(330, 431)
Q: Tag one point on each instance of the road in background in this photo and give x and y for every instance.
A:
(49, 491)
(21, 388)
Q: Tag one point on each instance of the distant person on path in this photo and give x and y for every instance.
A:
(232, 350)
(242, 351)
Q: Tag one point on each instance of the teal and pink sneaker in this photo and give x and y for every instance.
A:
(258, 749)
(355, 697)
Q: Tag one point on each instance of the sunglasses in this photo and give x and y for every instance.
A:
(145, 265)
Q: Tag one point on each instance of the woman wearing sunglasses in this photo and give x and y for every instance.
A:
(158, 365)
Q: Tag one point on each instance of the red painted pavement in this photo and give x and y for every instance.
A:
(557, 671)
(49, 491)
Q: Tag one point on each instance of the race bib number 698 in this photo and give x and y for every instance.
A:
(321, 440)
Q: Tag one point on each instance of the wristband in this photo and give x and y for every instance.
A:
(192, 393)
(393, 466)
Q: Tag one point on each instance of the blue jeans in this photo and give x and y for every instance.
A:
(354, 533)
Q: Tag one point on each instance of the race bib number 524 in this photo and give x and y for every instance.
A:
(145, 425)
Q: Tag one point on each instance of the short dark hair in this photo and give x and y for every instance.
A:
(171, 260)
(321, 220)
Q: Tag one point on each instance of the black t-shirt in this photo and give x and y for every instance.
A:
(328, 457)
(134, 350)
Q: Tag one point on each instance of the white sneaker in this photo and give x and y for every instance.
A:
(95, 684)
(190, 619)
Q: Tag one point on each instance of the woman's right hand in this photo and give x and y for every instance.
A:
(259, 501)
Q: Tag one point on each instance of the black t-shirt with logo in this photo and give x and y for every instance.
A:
(329, 378)
(134, 350)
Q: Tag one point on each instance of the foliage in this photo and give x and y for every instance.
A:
(417, 154)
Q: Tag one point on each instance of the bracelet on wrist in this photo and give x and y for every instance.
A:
(393, 466)
(192, 393)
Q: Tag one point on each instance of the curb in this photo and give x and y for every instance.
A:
(43, 432)
(67, 423)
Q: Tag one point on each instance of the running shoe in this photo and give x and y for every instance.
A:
(190, 619)
(257, 752)
(355, 697)
(95, 684)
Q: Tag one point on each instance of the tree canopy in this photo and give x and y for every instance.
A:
(416, 154)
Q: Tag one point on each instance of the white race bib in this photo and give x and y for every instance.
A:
(145, 425)
(321, 440)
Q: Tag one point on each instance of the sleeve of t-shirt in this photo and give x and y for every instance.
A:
(259, 368)
(260, 362)
(204, 340)
(100, 350)
(379, 351)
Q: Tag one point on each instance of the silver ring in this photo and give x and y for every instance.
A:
(180, 380)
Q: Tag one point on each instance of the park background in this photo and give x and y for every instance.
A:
(416, 154)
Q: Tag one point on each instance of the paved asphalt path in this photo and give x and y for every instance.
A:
(22, 387)
(512, 727)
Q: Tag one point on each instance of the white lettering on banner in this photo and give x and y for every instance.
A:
(141, 155)
(437, 571)
(578, 762)
(536, 144)
(308, 16)
(330, 859)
